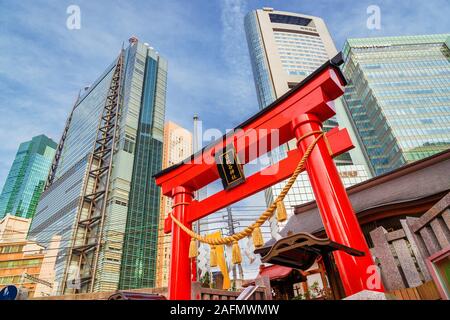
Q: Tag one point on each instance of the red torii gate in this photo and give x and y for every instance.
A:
(299, 112)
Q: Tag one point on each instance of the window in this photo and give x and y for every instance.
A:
(281, 18)
(11, 249)
(20, 263)
(139, 61)
(121, 203)
(128, 146)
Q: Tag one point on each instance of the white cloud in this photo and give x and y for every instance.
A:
(236, 58)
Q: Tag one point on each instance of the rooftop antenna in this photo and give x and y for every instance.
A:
(199, 194)
(133, 40)
(197, 145)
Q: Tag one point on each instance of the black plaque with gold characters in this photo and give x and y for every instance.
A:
(230, 170)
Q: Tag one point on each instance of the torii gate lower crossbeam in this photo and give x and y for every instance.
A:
(298, 113)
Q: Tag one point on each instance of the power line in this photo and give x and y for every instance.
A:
(51, 230)
(106, 241)
(121, 223)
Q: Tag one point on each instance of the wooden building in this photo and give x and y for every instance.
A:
(405, 218)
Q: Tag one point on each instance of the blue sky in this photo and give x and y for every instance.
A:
(43, 64)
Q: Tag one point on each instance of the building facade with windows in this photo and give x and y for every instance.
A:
(284, 49)
(24, 263)
(13, 228)
(176, 148)
(17, 258)
(123, 249)
(27, 176)
(398, 97)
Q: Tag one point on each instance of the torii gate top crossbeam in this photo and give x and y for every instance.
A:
(324, 85)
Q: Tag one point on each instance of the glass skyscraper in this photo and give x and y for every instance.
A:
(127, 255)
(398, 97)
(27, 176)
(285, 48)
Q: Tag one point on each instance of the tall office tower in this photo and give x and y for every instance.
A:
(27, 176)
(100, 196)
(176, 148)
(284, 49)
(398, 97)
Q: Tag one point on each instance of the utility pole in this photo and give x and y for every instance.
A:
(197, 145)
(231, 232)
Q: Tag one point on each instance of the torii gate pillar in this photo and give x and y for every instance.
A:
(334, 206)
(180, 265)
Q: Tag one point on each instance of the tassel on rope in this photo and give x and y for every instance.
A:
(236, 257)
(213, 257)
(257, 237)
(281, 211)
(193, 249)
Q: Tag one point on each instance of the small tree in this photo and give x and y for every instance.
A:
(205, 280)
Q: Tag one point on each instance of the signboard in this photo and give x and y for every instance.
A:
(230, 170)
(9, 293)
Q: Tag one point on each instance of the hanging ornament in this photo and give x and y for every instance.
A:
(236, 253)
(213, 257)
(228, 256)
(202, 260)
(249, 251)
(274, 229)
(258, 240)
(193, 249)
(281, 211)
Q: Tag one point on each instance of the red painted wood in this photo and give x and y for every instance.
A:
(309, 106)
(180, 264)
(338, 217)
